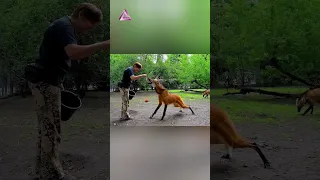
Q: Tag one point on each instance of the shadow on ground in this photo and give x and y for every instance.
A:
(85, 138)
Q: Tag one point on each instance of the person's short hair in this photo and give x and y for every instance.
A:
(138, 65)
(88, 11)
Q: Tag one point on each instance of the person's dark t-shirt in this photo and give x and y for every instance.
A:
(126, 80)
(52, 55)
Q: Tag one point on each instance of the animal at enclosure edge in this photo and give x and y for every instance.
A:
(311, 97)
(166, 98)
(206, 93)
(222, 131)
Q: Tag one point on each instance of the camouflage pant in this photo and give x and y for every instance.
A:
(48, 102)
(125, 102)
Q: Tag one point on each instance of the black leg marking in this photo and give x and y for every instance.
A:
(309, 108)
(164, 111)
(191, 110)
(155, 111)
(264, 159)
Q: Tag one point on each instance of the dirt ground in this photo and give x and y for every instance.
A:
(292, 148)
(141, 111)
(85, 139)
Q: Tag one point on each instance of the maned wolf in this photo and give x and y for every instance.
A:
(166, 98)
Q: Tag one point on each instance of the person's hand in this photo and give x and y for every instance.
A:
(105, 45)
(144, 75)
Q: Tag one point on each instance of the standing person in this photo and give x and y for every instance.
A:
(58, 48)
(128, 76)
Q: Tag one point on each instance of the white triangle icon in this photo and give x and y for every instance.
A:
(124, 16)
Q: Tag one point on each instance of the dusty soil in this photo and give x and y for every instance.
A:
(291, 147)
(141, 111)
(85, 138)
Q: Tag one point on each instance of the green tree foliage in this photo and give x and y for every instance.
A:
(246, 32)
(177, 70)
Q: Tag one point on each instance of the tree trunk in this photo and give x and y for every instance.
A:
(6, 87)
(274, 63)
(260, 91)
(11, 88)
(195, 81)
(1, 86)
(242, 74)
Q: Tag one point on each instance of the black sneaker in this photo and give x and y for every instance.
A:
(125, 119)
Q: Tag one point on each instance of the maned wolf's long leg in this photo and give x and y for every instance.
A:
(164, 111)
(309, 108)
(191, 110)
(155, 111)
(177, 105)
(228, 155)
(182, 105)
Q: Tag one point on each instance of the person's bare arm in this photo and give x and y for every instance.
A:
(137, 77)
(76, 52)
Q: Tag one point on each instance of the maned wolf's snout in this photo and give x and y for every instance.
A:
(149, 81)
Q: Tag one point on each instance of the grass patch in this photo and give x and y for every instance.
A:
(256, 107)
(188, 94)
(293, 90)
(182, 90)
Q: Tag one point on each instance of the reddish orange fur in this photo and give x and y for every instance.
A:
(206, 93)
(167, 98)
(222, 131)
(310, 97)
